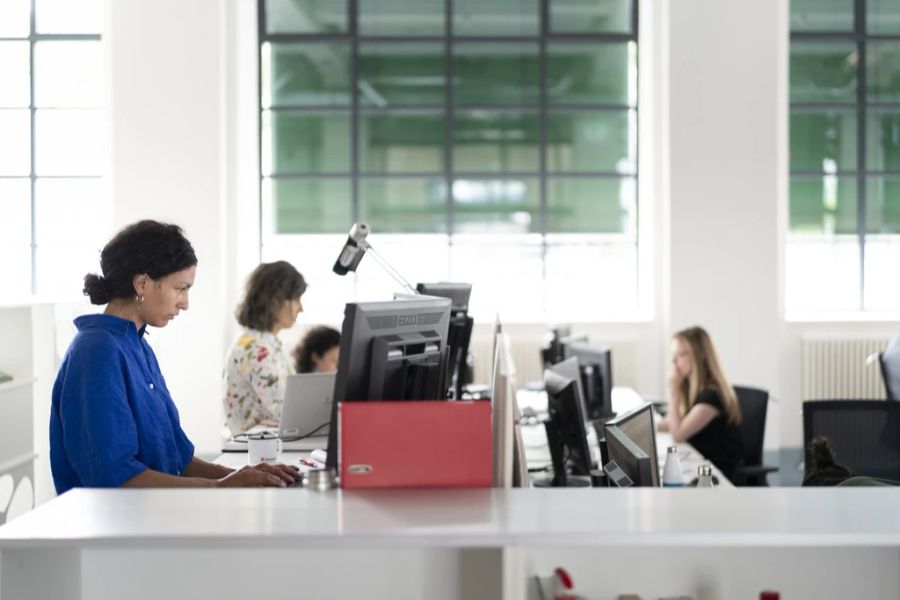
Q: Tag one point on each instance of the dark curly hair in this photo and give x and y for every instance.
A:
(317, 340)
(268, 286)
(157, 249)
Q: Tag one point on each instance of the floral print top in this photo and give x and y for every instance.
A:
(256, 371)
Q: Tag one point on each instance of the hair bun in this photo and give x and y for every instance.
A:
(96, 288)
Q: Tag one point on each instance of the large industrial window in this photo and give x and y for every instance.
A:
(52, 203)
(493, 142)
(843, 246)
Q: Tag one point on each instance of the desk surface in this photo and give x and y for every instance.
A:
(461, 518)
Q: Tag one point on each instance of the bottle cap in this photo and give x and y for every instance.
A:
(673, 450)
(704, 469)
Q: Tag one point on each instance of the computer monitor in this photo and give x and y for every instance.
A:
(460, 330)
(394, 350)
(596, 378)
(625, 454)
(639, 426)
(551, 350)
(566, 435)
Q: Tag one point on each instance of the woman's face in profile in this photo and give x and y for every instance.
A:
(681, 358)
(287, 316)
(326, 362)
(166, 297)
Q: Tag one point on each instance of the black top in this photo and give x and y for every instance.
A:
(720, 442)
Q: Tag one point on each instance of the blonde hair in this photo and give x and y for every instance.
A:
(706, 373)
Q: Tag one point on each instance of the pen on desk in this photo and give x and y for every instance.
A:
(308, 463)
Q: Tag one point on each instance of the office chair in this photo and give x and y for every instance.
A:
(889, 360)
(865, 434)
(754, 403)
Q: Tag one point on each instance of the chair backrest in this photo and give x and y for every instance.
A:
(890, 368)
(753, 403)
(864, 434)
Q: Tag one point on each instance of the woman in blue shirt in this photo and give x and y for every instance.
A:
(112, 419)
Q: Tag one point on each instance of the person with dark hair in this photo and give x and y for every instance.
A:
(256, 368)
(318, 351)
(112, 419)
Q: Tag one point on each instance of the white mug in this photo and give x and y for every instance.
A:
(263, 448)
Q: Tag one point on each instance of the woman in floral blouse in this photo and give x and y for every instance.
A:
(256, 367)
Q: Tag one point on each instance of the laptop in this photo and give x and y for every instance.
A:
(305, 414)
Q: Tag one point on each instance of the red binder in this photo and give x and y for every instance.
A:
(415, 444)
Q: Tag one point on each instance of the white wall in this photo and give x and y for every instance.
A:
(714, 168)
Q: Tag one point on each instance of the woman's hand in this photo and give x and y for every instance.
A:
(283, 472)
(251, 476)
(674, 379)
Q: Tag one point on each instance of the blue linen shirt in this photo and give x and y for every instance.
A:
(112, 416)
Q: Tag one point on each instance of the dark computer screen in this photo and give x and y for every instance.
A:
(459, 332)
(638, 425)
(629, 457)
(566, 435)
(596, 378)
(553, 349)
(393, 350)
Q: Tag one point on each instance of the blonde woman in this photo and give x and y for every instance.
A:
(703, 408)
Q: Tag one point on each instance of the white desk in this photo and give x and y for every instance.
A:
(453, 544)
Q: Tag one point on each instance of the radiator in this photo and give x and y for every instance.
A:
(526, 355)
(836, 369)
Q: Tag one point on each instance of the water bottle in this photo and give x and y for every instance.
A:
(704, 476)
(672, 470)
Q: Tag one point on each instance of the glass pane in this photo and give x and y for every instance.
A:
(506, 273)
(306, 16)
(401, 143)
(496, 18)
(69, 211)
(823, 205)
(882, 17)
(15, 264)
(590, 16)
(591, 73)
(882, 286)
(70, 142)
(822, 15)
(495, 74)
(61, 268)
(496, 206)
(15, 72)
(430, 262)
(69, 16)
(15, 18)
(15, 211)
(823, 140)
(612, 264)
(822, 273)
(68, 74)
(592, 141)
(592, 205)
(883, 72)
(306, 142)
(883, 205)
(422, 17)
(404, 74)
(404, 205)
(883, 140)
(306, 206)
(15, 142)
(315, 74)
(496, 142)
(823, 71)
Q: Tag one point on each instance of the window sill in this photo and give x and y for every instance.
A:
(858, 316)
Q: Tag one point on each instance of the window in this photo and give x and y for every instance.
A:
(494, 143)
(51, 146)
(843, 244)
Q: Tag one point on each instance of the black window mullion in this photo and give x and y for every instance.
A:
(449, 115)
(542, 120)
